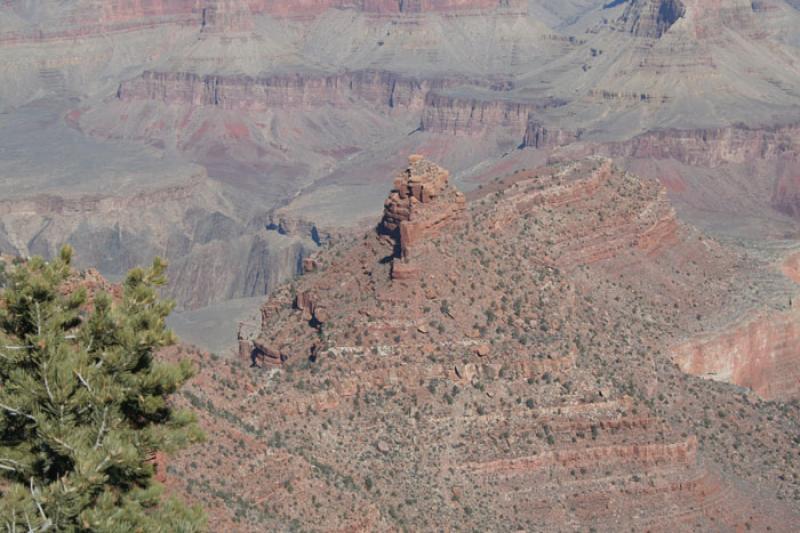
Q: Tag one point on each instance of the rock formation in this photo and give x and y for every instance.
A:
(537, 135)
(420, 205)
(652, 18)
(762, 353)
(528, 359)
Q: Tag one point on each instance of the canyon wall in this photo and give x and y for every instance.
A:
(762, 354)
(93, 17)
(537, 135)
(768, 154)
(214, 255)
(464, 115)
(439, 111)
(652, 18)
(714, 146)
(386, 90)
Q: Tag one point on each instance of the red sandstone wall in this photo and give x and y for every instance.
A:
(762, 354)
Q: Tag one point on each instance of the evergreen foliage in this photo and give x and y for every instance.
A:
(84, 404)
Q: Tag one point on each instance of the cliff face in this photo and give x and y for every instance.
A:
(652, 18)
(213, 254)
(755, 169)
(388, 91)
(537, 135)
(762, 354)
(86, 17)
(712, 147)
(466, 116)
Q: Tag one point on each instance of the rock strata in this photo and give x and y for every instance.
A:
(421, 203)
(652, 18)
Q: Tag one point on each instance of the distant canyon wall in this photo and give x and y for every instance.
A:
(88, 17)
(214, 255)
(738, 145)
(712, 147)
(379, 88)
(435, 100)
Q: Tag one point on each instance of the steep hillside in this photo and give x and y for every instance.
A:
(498, 361)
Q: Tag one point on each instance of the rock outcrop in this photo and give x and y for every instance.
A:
(762, 353)
(712, 147)
(420, 205)
(651, 18)
(463, 115)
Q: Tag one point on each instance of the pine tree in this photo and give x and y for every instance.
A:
(84, 404)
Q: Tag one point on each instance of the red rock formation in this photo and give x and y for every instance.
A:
(421, 203)
(309, 306)
(762, 354)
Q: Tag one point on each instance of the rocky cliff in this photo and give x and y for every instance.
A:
(714, 146)
(387, 91)
(652, 18)
(421, 205)
(190, 224)
(87, 17)
(761, 353)
(463, 115)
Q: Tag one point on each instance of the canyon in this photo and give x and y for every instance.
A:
(576, 306)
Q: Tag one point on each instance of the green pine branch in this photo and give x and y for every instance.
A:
(84, 404)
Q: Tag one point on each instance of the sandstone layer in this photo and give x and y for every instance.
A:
(762, 354)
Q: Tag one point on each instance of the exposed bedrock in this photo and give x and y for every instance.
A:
(464, 115)
(380, 88)
(762, 354)
(95, 17)
(214, 255)
(652, 18)
(714, 146)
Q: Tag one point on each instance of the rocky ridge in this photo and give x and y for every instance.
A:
(521, 379)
